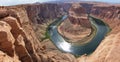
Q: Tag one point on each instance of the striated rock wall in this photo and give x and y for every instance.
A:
(110, 15)
(78, 15)
(17, 36)
(41, 13)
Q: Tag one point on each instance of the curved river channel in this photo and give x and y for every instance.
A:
(101, 29)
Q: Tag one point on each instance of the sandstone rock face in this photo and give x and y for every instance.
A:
(14, 42)
(3, 13)
(77, 26)
(41, 13)
(78, 15)
(83, 21)
(7, 39)
(110, 14)
(108, 51)
(5, 58)
(74, 29)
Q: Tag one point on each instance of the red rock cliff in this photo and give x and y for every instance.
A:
(17, 36)
(40, 13)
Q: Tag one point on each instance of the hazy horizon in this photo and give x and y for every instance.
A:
(15, 2)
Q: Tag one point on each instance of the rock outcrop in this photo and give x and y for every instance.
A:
(14, 40)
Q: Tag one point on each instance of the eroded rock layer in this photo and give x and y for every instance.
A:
(16, 36)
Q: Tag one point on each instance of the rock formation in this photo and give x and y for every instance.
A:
(16, 36)
(39, 13)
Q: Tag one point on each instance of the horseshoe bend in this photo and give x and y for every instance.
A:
(78, 48)
(60, 32)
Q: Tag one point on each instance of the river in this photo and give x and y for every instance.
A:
(101, 29)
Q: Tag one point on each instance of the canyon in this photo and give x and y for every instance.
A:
(22, 28)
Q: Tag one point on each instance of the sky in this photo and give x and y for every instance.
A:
(15, 2)
(108, 1)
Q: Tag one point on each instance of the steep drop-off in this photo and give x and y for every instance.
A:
(18, 42)
(17, 36)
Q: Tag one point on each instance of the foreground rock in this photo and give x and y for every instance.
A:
(108, 51)
(14, 39)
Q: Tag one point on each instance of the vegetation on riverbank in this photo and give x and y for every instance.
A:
(47, 35)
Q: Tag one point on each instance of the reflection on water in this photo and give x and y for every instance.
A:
(66, 46)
